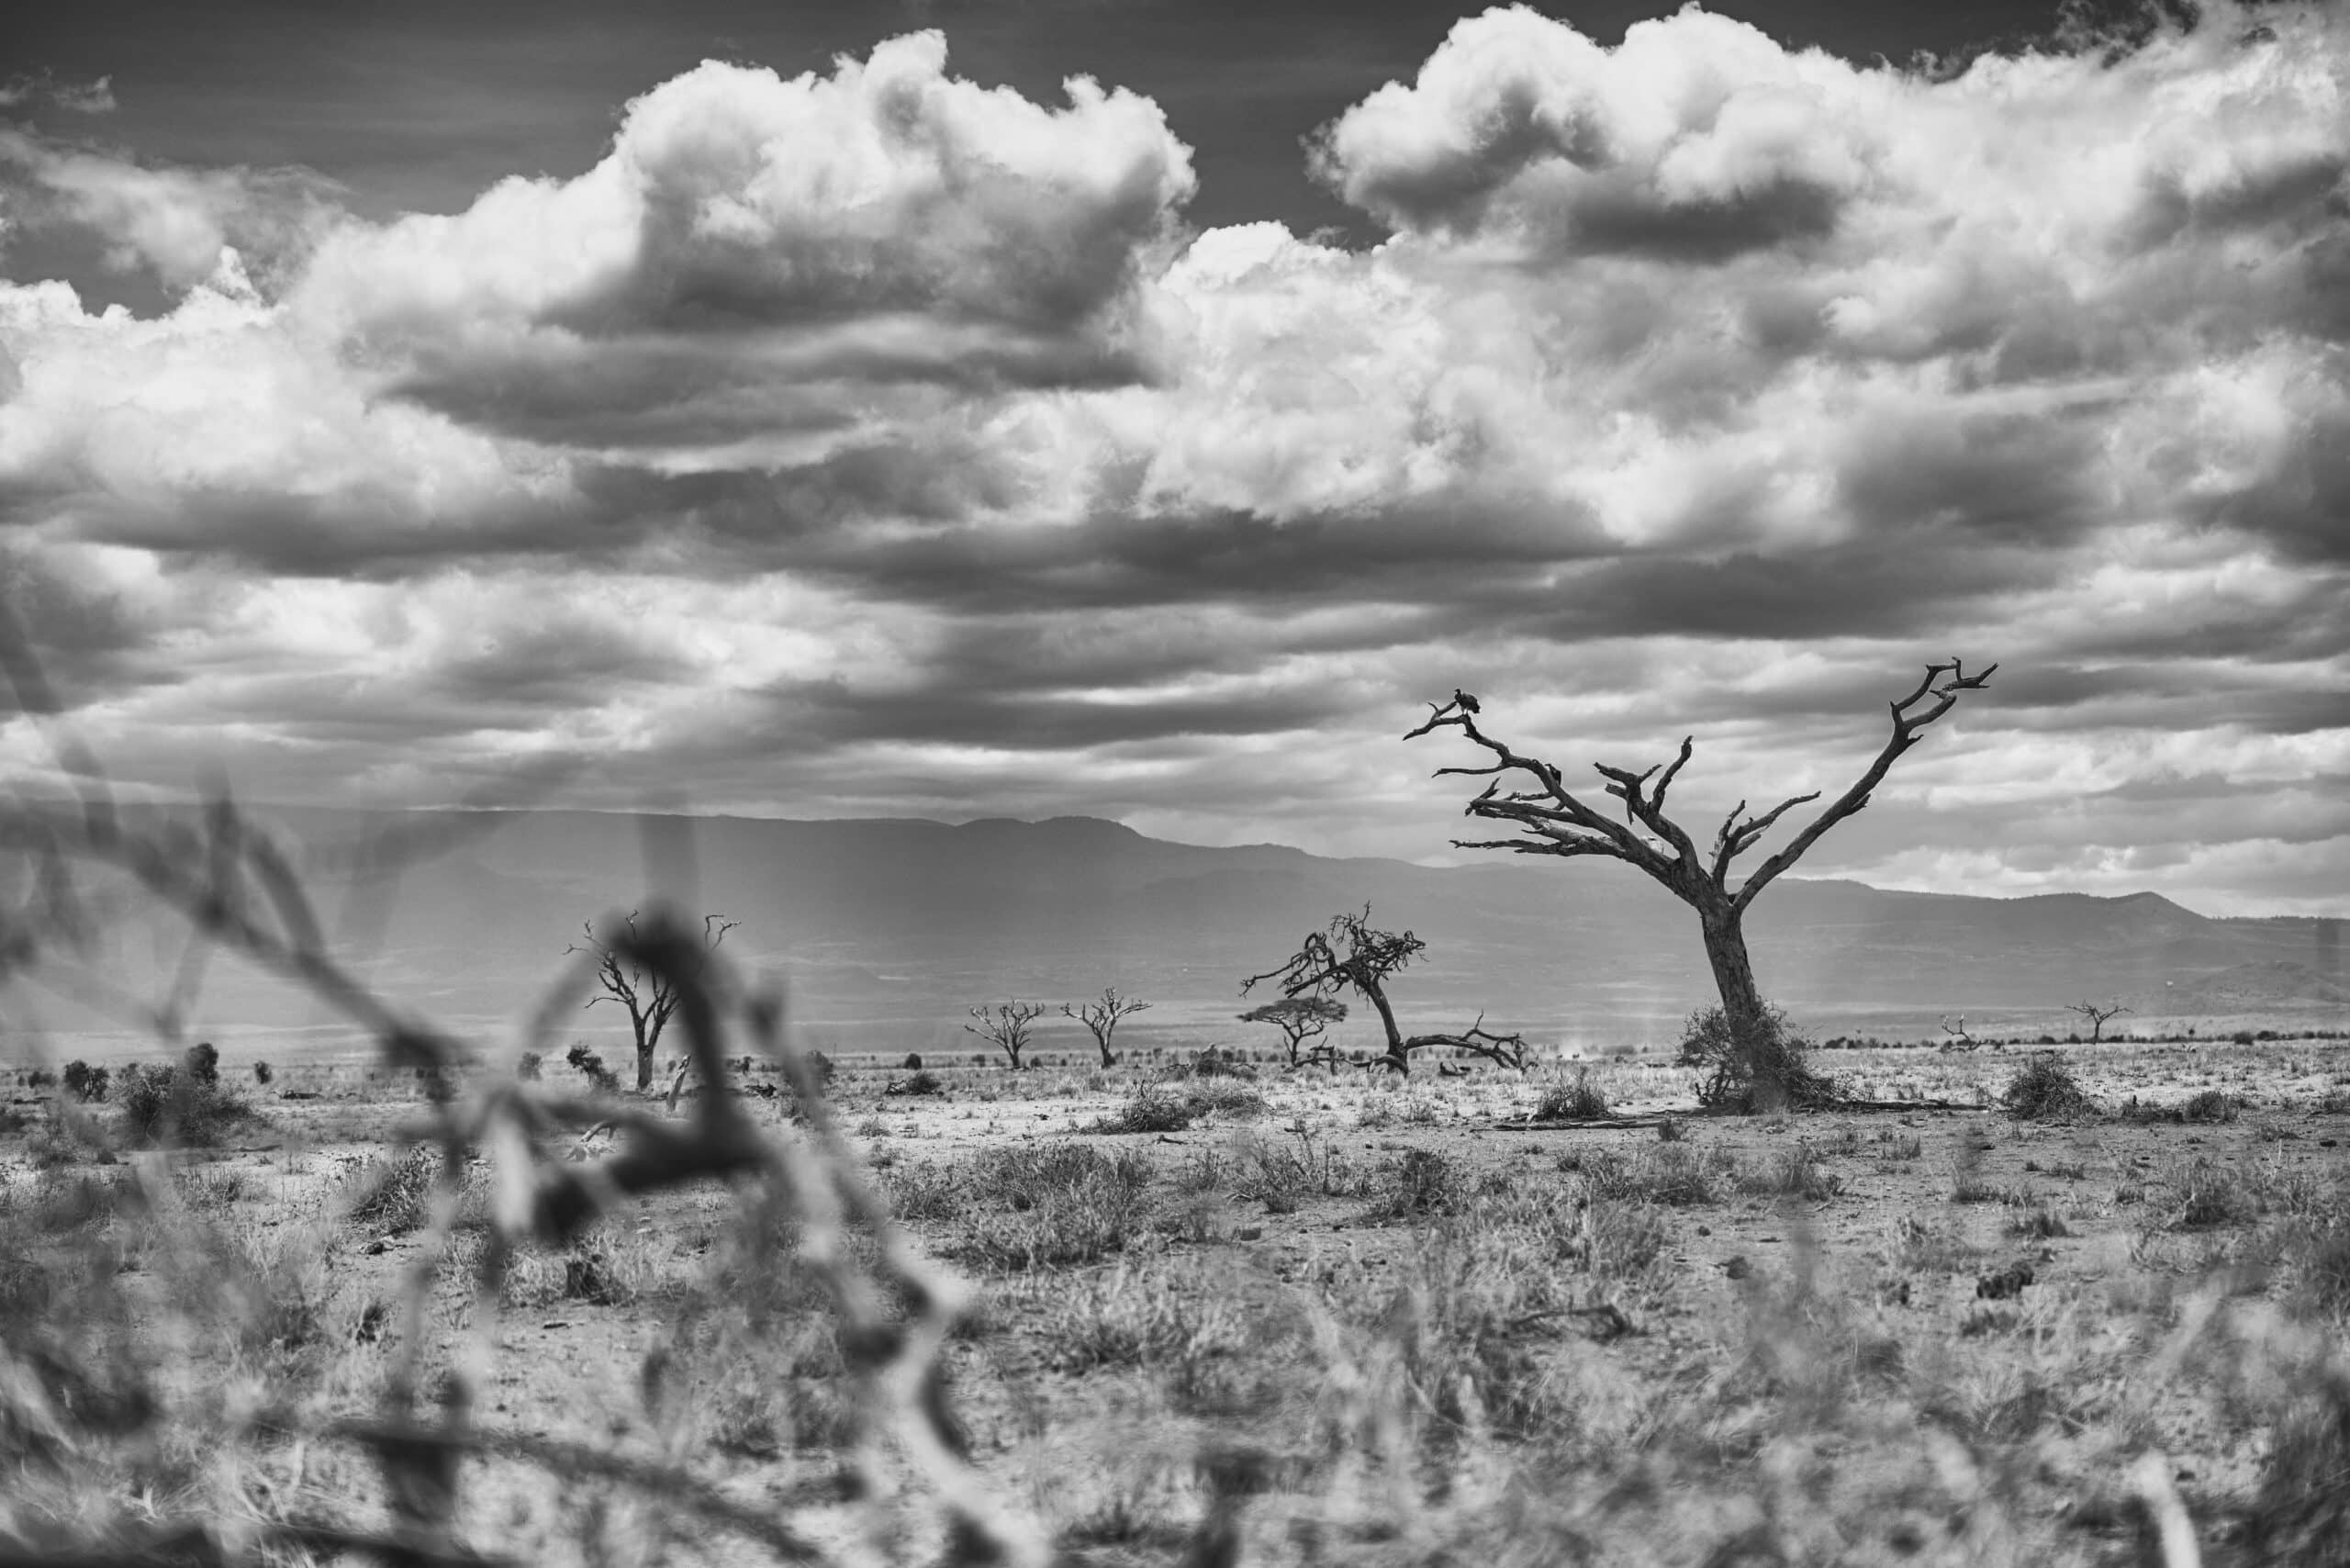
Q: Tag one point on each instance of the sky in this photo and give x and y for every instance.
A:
(1143, 410)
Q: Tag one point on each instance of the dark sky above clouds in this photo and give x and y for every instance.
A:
(822, 410)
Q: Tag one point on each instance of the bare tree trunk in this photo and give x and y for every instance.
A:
(1733, 972)
(1398, 1058)
(643, 1060)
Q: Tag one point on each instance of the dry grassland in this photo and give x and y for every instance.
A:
(1286, 1319)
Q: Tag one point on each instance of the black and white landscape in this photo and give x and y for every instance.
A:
(886, 932)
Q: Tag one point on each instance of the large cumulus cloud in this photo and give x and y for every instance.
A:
(761, 259)
(873, 440)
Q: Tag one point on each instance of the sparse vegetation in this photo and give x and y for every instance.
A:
(2043, 1090)
(175, 1106)
(591, 1065)
(1758, 1066)
(1399, 1323)
(1582, 1101)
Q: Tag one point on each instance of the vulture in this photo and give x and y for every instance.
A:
(1463, 701)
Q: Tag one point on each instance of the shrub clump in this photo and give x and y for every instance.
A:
(1150, 1109)
(1582, 1101)
(2043, 1090)
(2210, 1105)
(1423, 1182)
(599, 1077)
(395, 1197)
(1049, 1206)
(1218, 1062)
(175, 1106)
(1758, 1067)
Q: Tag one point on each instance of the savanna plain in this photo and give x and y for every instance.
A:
(2079, 1307)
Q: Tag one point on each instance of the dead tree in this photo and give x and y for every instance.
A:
(2097, 1015)
(1101, 1017)
(1960, 1040)
(650, 996)
(1006, 1026)
(1351, 953)
(1300, 1019)
(1553, 820)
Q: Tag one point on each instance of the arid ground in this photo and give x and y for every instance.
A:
(1294, 1318)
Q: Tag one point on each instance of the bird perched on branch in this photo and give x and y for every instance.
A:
(1463, 701)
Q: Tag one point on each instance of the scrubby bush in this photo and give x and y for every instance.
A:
(263, 1073)
(1040, 1206)
(2210, 1105)
(203, 1063)
(591, 1066)
(1422, 1182)
(162, 1104)
(393, 1197)
(1226, 1099)
(86, 1083)
(530, 1066)
(1582, 1101)
(2043, 1090)
(919, 1083)
(1219, 1062)
(1150, 1109)
(1762, 1068)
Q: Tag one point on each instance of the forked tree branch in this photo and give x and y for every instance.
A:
(1552, 820)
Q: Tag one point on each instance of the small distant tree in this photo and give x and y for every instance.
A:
(1101, 1017)
(263, 1073)
(204, 1062)
(2097, 1015)
(649, 996)
(528, 1066)
(1006, 1026)
(1550, 819)
(1960, 1040)
(1300, 1019)
(85, 1083)
(1352, 954)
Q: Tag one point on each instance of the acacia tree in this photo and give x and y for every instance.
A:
(1300, 1019)
(1352, 954)
(1102, 1015)
(1553, 820)
(2097, 1015)
(1006, 1026)
(649, 995)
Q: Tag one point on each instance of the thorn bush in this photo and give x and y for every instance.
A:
(1764, 1071)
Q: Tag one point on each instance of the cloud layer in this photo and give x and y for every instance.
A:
(875, 442)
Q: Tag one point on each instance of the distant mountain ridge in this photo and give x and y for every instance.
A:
(888, 928)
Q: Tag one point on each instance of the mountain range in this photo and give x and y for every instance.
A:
(888, 930)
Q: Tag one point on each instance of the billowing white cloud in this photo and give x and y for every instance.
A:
(764, 259)
(223, 427)
(874, 441)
